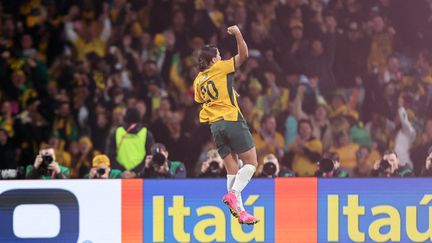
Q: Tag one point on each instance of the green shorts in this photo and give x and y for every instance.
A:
(231, 137)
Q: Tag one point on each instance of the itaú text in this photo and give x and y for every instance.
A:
(211, 218)
(383, 216)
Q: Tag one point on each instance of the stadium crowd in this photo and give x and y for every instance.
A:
(331, 88)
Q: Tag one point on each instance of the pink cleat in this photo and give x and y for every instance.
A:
(246, 218)
(230, 200)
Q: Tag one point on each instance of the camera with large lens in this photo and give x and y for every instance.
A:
(384, 165)
(101, 171)
(214, 168)
(269, 169)
(326, 165)
(158, 159)
(46, 160)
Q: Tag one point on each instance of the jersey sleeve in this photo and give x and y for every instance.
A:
(197, 93)
(227, 66)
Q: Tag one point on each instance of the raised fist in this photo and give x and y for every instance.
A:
(233, 30)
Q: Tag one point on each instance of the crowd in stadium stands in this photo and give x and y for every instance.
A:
(331, 88)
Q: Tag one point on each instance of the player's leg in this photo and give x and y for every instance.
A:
(241, 142)
(245, 174)
(218, 130)
(243, 177)
(231, 166)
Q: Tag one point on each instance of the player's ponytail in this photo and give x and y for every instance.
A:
(206, 56)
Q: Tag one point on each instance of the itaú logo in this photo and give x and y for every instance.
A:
(209, 222)
(39, 215)
(386, 223)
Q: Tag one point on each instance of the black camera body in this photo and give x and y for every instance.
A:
(214, 168)
(47, 160)
(158, 159)
(101, 171)
(384, 165)
(326, 165)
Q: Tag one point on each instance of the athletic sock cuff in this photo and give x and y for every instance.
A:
(250, 167)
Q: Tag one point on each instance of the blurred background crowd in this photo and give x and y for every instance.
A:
(346, 83)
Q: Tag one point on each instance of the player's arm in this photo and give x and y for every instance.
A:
(242, 48)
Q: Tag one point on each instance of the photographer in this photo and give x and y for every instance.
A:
(329, 166)
(212, 167)
(157, 165)
(271, 168)
(365, 157)
(45, 166)
(101, 169)
(389, 166)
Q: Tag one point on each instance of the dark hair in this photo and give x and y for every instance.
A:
(307, 121)
(208, 52)
(331, 155)
(45, 146)
(61, 103)
(267, 117)
(132, 116)
(389, 152)
(157, 147)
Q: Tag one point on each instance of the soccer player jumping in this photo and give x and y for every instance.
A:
(214, 90)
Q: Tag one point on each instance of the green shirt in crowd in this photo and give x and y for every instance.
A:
(32, 173)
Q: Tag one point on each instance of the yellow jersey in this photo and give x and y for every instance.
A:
(347, 155)
(214, 90)
(302, 165)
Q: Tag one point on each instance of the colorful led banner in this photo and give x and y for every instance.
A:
(297, 210)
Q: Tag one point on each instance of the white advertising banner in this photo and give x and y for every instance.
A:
(60, 211)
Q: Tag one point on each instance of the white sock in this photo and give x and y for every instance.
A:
(240, 201)
(243, 177)
(230, 183)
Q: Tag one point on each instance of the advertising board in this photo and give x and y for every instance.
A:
(374, 210)
(192, 211)
(295, 210)
(77, 210)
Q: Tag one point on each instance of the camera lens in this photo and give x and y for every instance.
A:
(213, 166)
(384, 165)
(158, 159)
(269, 169)
(101, 171)
(326, 165)
(46, 160)
(214, 169)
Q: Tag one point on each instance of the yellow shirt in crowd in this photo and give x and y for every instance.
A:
(347, 155)
(263, 147)
(302, 165)
(97, 45)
